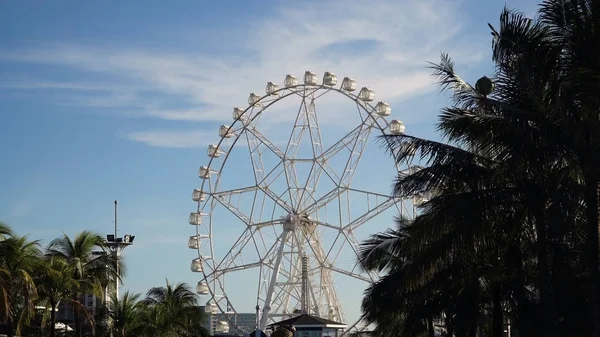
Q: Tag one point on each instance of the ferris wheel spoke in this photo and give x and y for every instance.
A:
(254, 148)
(324, 200)
(234, 256)
(344, 143)
(269, 250)
(328, 170)
(328, 263)
(328, 255)
(225, 198)
(322, 161)
(316, 170)
(251, 130)
(298, 130)
(355, 244)
(293, 188)
(370, 214)
(280, 202)
(307, 194)
(312, 123)
(302, 189)
(350, 274)
(273, 175)
(222, 271)
(325, 225)
(355, 156)
(348, 239)
(262, 224)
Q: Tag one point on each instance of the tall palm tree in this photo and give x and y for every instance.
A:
(172, 310)
(125, 314)
(19, 257)
(565, 84)
(573, 24)
(513, 176)
(55, 283)
(5, 232)
(92, 264)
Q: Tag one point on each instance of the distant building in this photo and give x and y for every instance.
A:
(311, 326)
(240, 324)
(65, 312)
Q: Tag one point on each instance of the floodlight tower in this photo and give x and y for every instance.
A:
(117, 245)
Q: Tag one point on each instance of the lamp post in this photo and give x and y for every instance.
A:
(116, 245)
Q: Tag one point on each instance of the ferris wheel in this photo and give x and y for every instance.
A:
(279, 209)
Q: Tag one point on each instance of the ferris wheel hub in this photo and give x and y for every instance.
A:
(293, 221)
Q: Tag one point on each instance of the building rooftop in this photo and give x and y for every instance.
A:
(309, 321)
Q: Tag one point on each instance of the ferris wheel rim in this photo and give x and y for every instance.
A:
(364, 107)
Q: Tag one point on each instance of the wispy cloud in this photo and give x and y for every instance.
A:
(173, 139)
(383, 46)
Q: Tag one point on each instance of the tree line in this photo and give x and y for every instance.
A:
(508, 241)
(35, 280)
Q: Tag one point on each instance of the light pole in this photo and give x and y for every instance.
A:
(117, 245)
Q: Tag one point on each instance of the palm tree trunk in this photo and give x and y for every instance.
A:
(52, 319)
(449, 325)
(430, 327)
(77, 323)
(9, 327)
(548, 323)
(592, 247)
(472, 324)
(461, 326)
(497, 315)
(522, 321)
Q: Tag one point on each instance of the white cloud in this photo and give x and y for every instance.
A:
(381, 44)
(173, 139)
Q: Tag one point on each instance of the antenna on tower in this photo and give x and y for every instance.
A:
(115, 218)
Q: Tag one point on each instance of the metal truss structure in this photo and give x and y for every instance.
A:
(283, 212)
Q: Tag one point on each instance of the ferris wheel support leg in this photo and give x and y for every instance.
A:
(267, 307)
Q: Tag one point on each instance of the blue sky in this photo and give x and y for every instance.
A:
(118, 100)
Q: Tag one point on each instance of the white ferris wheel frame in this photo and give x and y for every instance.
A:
(374, 119)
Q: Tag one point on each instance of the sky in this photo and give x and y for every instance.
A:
(118, 100)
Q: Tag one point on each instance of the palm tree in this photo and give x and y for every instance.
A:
(125, 314)
(572, 24)
(565, 84)
(5, 231)
(55, 283)
(19, 257)
(172, 310)
(92, 264)
(508, 187)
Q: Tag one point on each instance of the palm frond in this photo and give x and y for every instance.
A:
(383, 250)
